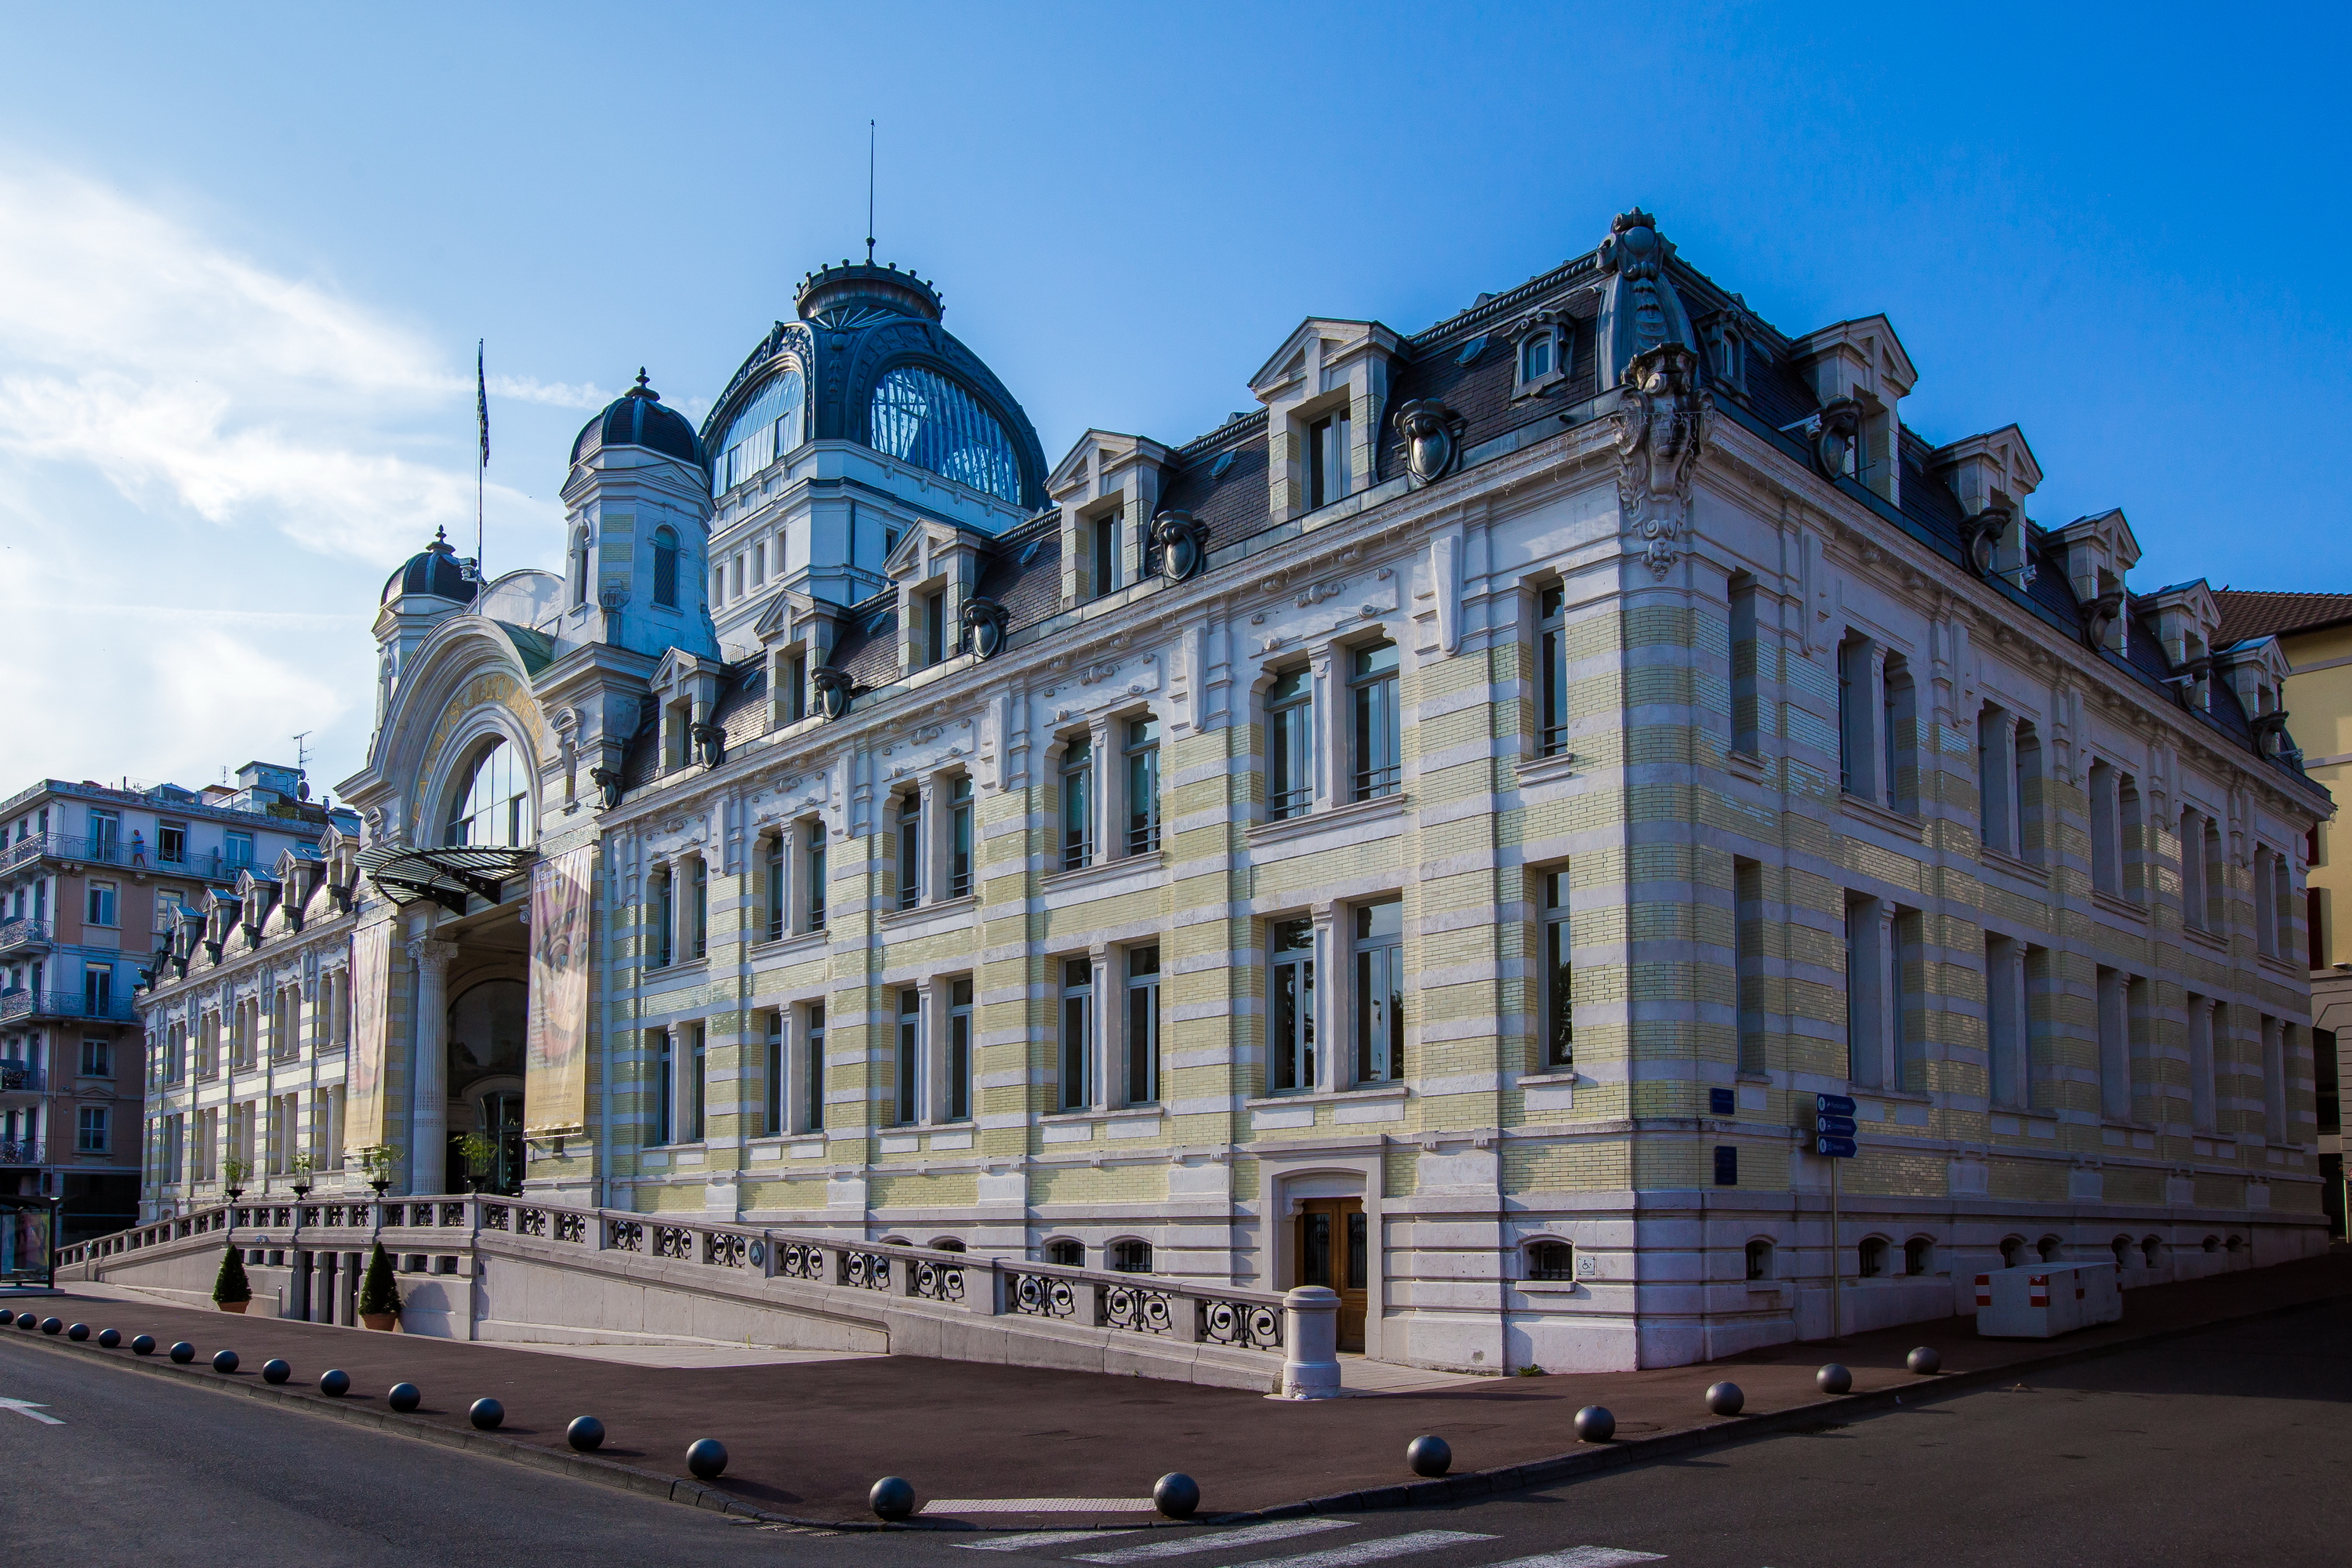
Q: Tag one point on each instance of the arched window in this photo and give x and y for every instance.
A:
(1551, 1260)
(493, 809)
(1067, 1253)
(768, 426)
(923, 417)
(1759, 1260)
(2122, 1248)
(1873, 1257)
(2050, 1247)
(2212, 1244)
(2152, 1249)
(947, 1244)
(2012, 1251)
(666, 567)
(1131, 1256)
(1918, 1256)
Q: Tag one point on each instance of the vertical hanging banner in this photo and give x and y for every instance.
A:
(363, 1099)
(555, 1049)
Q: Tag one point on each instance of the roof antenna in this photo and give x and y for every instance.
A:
(869, 193)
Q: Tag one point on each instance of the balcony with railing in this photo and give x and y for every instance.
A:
(21, 1151)
(23, 934)
(19, 1076)
(21, 1005)
(72, 849)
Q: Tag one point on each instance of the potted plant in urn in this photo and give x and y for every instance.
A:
(379, 1297)
(379, 1160)
(231, 1288)
(477, 1152)
(301, 1175)
(234, 1172)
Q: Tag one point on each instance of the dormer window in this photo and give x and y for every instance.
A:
(666, 567)
(1543, 354)
(935, 626)
(1327, 444)
(1535, 358)
(1102, 552)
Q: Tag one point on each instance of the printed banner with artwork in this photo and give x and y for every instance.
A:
(364, 1097)
(555, 1048)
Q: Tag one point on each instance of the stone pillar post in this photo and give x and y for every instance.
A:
(1105, 761)
(428, 1059)
(1310, 1366)
(1329, 965)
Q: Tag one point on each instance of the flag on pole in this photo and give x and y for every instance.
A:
(482, 401)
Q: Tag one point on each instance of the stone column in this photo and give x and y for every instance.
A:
(1331, 965)
(428, 1057)
(1098, 1065)
(1106, 763)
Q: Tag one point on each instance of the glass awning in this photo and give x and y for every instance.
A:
(445, 875)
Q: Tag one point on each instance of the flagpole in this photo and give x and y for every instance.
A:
(482, 469)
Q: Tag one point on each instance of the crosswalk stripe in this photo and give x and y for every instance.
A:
(1038, 1505)
(1038, 1538)
(1583, 1557)
(1372, 1551)
(1182, 1546)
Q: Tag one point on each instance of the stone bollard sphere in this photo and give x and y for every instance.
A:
(486, 1415)
(334, 1384)
(275, 1371)
(108, 1339)
(586, 1434)
(1176, 1494)
(78, 1332)
(1724, 1398)
(1429, 1456)
(404, 1397)
(707, 1458)
(143, 1345)
(26, 1320)
(183, 1352)
(51, 1325)
(1924, 1361)
(223, 1360)
(1833, 1379)
(892, 1499)
(1594, 1423)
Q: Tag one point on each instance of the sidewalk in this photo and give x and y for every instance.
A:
(806, 1439)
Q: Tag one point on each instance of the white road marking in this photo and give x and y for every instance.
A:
(27, 1407)
(1038, 1538)
(1248, 1535)
(1038, 1505)
(1583, 1557)
(1373, 1551)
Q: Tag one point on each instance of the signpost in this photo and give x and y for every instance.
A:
(1834, 1129)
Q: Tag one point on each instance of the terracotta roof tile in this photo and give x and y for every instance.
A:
(2254, 613)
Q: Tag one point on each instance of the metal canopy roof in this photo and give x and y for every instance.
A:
(445, 875)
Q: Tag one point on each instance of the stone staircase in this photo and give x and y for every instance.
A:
(496, 1268)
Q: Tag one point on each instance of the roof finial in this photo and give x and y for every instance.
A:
(641, 375)
(642, 389)
(440, 536)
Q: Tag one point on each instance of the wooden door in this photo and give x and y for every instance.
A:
(1335, 1250)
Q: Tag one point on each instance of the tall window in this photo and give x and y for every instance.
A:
(2025, 766)
(1290, 1013)
(90, 1130)
(1142, 786)
(911, 849)
(1995, 827)
(1535, 357)
(1559, 975)
(1748, 945)
(922, 417)
(771, 849)
(1078, 804)
(237, 849)
(960, 1050)
(661, 910)
(2275, 1079)
(1854, 750)
(772, 1120)
(814, 897)
(172, 843)
(101, 904)
(1373, 690)
(1326, 459)
(1290, 744)
(1102, 552)
(1380, 992)
(1551, 617)
(935, 626)
(2217, 879)
(1078, 1034)
(698, 928)
(813, 1065)
(768, 428)
(910, 1049)
(2130, 826)
(666, 1075)
(666, 567)
(2115, 1046)
(959, 837)
(98, 991)
(697, 1084)
(1142, 1025)
(2005, 1024)
(105, 836)
(492, 809)
(2201, 1017)
(1866, 970)
(580, 566)
(795, 689)
(1898, 737)
(1746, 653)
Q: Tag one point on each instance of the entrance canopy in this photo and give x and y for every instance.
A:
(447, 875)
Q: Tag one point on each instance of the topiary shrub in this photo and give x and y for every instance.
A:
(379, 1295)
(230, 1285)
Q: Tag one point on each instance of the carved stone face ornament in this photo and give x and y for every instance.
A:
(1431, 432)
(985, 620)
(1661, 426)
(1983, 534)
(1182, 542)
(832, 687)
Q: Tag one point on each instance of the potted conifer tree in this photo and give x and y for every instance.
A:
(379, 1295)
(231, 1288)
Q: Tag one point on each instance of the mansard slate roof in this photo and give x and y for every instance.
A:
(2255, 613)
(1467, 361)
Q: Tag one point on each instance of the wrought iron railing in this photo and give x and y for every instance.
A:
(24, 1004)
(207, 866)
(17, 1076)
(24, 932)
(21, 1152)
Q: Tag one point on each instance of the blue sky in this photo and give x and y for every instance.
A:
(244, 253)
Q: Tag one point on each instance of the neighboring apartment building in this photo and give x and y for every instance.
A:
(2314, 633)
(93, 879)
(1433, 836)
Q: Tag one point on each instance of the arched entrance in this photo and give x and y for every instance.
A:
(487, 1024)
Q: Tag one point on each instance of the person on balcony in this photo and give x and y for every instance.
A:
(138, 848)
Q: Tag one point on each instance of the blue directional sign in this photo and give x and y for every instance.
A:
(1835, 1148)
(1836, 1126)
(1833, 1126)
(1835, 1105)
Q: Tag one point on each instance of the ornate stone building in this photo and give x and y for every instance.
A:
(1433, 834)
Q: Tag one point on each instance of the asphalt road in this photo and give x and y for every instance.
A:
(2227, 1446)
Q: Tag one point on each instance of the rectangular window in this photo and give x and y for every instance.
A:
(1142, 786)
(1102, 552)
(2202, 1015)
(97, 1058)
(772, 1119)
(813, 1065)
(665, 1079)
(1373, 690)
(2267, 933)
(1904, 935)
(2115, 1046)
(1380, 992)
(1854, 709)
(935, 627)
(1327, 456)
(239, 848)
(1746, 653)
(1078, 1034)
(101, 904)
(1867, 971)
(1290, 744)
(2005, 1034)
(1727, 1164)
(172, 843)
(1552, 618)
(1992, 781)
(105, 836)
(2217, 880)
(909, 1056)
(2026, 767)
(772, 859)
(1290, 1015)
(89, 1129)
(1142, 1025)
(960, 1050)
(662, 911)
(1748, 924)
(1077, 804)
(98, 990)
(2132, 849)
(814, 902)
(167, 912)
(1898, 734)
(911, 849)
(1558, 975)
(2275, 1037)
(699, 911)
(959, 837)
(698, 1085)
(2106, 847)
(795, 689)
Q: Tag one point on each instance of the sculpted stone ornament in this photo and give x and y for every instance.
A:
(1982, 534)
(1661, 424)
(1642, 310)
(1182, 542)
(985, 621)
(2099, 617)
(1431, 435)
(608, 784)
(711, 742)
(832, 688)
(1841, 426)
